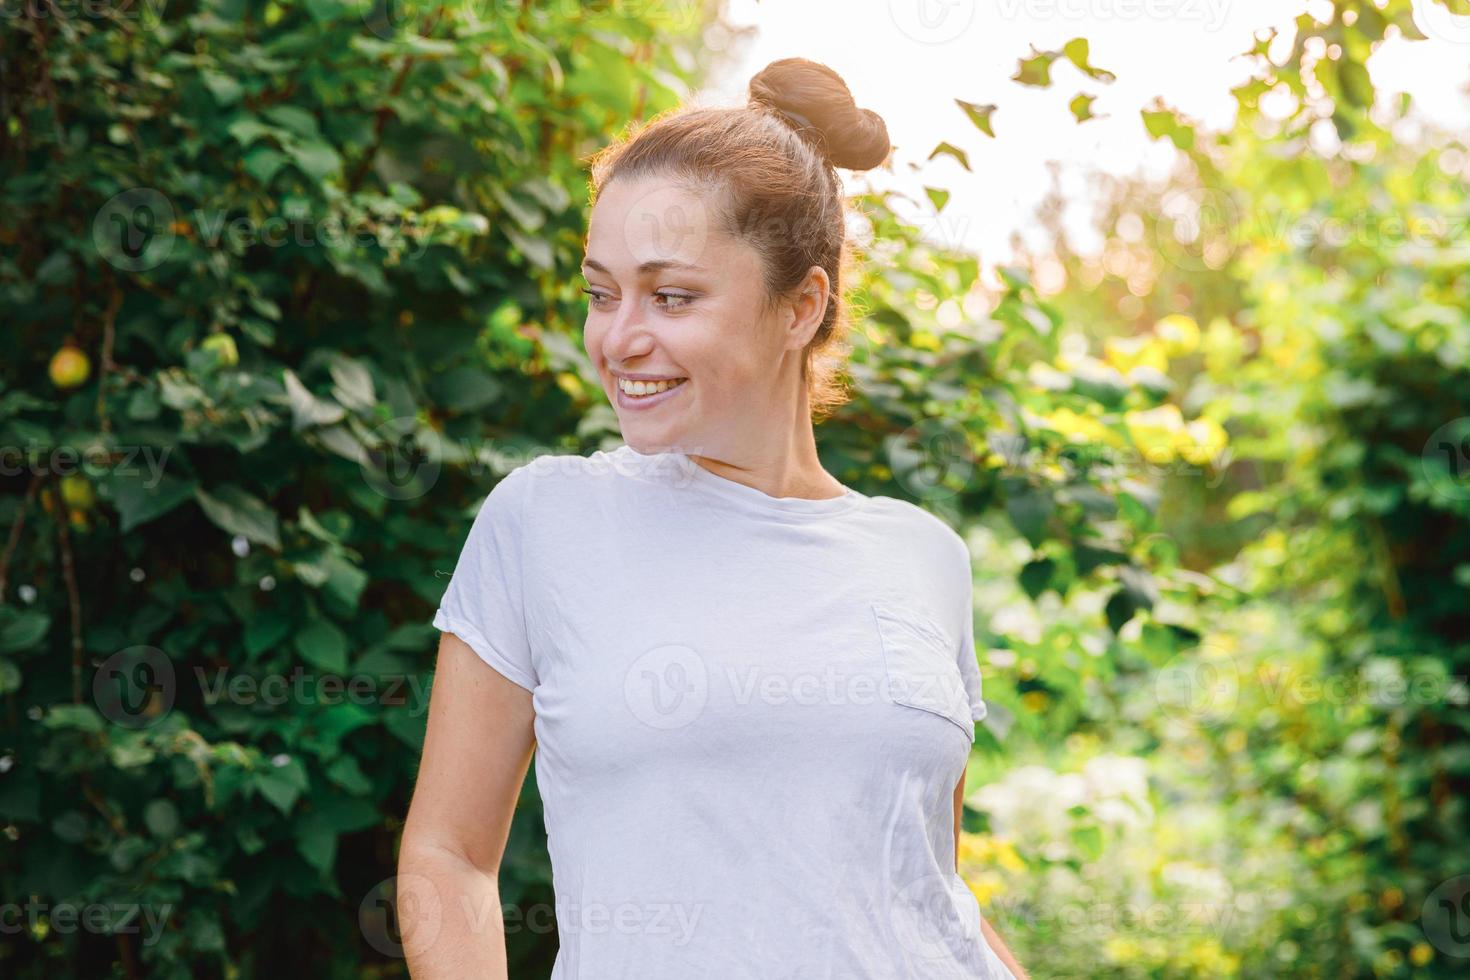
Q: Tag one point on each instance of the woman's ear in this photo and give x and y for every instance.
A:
(808, 308)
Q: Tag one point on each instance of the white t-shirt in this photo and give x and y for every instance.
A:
(751, 714)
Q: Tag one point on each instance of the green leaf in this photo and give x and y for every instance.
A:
(1158, 122)
(951, 150)
(331, 722)
(1029, 511)
(408, 725)
(346, 773)
(1081, 107)
(1078, 51)
(323, 11)
(142, 498)
(352, 384)
(465, 389)
(938, 197)
(246, 129)
(323, 645)
(1120, 609)
(1036, 69)
(70, 827)
(282, 786)
(552, 196)
(22, 630)
(161, 818)
(1142, 591)
(1088, 557)
(264, 162)
(345, 814)
(317, 844)
(345, 581)
(56, 269)
(307, 409)
(316, 158)
(536, 250)
(264, 631)
(1089, 841)
(1036, 576)
(265, 306)
(143, 405)
(294, 119)
(226, 90)
(79, 716)
(979, 115)
(235, 511)
(527, 216)
(1163, 122)
(10, 676)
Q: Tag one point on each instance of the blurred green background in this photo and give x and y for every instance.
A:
(286, 288)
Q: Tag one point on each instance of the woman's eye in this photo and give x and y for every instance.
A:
(672, 301)
(677, 301)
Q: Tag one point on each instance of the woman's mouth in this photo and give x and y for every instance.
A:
(646, 394)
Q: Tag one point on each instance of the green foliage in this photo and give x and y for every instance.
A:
(318, 259)
(1323, 718)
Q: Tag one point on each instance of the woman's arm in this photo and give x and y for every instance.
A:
(990, 935)
(476, 751)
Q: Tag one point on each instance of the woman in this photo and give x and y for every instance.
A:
(753, 689)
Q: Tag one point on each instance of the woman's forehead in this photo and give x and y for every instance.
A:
(647, 226)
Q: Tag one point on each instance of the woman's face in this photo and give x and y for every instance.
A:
(676, 313)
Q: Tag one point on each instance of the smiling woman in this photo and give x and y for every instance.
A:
(750, 735)
(733, 218)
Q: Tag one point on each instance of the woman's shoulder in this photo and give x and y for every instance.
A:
(574, 468)
(552, 484)
(920, 525)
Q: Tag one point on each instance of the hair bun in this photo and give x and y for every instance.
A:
(817, 102)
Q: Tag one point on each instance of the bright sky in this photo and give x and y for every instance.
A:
(909, 60)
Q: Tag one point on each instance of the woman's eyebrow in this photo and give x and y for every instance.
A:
(653, 265)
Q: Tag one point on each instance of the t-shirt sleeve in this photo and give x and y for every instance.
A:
(483, 603)
(969, 666)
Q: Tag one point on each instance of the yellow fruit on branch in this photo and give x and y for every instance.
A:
(77, 491)
(223, 345)
(69, 367)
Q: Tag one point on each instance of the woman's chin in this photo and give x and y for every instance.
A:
(649, 446)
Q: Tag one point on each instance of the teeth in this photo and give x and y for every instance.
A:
(638, 388)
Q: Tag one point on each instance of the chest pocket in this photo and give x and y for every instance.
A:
(920, 666)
